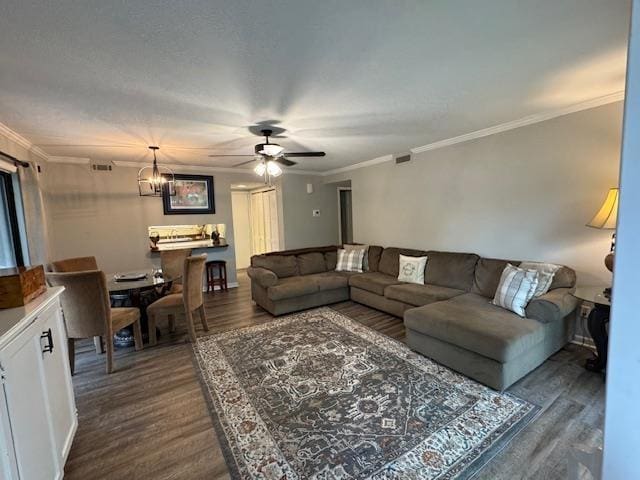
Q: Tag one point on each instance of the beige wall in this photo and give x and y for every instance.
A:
(523, 194)
(101, 214)
(301, 228)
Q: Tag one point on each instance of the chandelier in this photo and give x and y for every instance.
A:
(153, 181)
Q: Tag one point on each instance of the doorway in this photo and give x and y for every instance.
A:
(256, 222)
(265, 229)
(345, 215)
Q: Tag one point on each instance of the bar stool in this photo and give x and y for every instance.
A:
(220, 279)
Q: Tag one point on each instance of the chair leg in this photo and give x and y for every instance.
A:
(71, 346)
(190, 327)
(109, 343)
(153, 338)
(203, 318)
(97, 341)
(172, 323)
(137, 335)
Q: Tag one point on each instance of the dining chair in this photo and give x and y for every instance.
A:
(88, 313)
(185, 303)
(172, 264)
(77, 264)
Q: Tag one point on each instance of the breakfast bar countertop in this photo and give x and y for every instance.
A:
(193, 244)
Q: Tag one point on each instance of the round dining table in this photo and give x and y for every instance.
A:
(140, 293)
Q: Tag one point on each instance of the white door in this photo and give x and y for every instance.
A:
(264, 221)
(26, 398)
(57, 380)
(241, 227)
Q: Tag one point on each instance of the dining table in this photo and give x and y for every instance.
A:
(139, 289)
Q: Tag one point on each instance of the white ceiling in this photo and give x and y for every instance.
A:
(358, 79)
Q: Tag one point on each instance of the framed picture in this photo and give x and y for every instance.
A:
(194, 194)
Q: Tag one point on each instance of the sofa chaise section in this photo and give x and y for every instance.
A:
(487, 343)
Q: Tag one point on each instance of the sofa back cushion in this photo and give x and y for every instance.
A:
(374, 257)
(282, 265)
(390, 259)
(487, 275)
(331, 260)
(451, 269)
(488, 272)
(309, 263)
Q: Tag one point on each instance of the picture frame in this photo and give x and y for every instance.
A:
(194, 195)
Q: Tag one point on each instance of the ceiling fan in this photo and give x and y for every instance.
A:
(272, 152)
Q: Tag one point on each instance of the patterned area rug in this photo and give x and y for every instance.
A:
(317, 395)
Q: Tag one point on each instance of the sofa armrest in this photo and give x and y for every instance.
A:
(553, 305)
(265, 278)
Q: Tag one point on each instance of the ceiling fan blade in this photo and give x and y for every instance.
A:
(243, 163)
(286, 162)
(222, 155)
(305, 154)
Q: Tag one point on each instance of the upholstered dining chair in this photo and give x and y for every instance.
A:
(88, 313)
(77, 264)
(172, 264)
(185, 303)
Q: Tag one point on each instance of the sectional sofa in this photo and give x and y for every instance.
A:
(449, 319)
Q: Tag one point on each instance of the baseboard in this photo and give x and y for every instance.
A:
(217, 287)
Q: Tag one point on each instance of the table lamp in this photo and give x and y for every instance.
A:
(605, 219)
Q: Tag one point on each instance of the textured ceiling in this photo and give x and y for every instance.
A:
(359, 78)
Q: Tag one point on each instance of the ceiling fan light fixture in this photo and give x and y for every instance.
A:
(271, 149)
(273, 169)
(260, 169)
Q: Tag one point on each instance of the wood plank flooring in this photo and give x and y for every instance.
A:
(149, 419)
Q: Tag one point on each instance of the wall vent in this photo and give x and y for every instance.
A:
(403, 158)
(102, 167)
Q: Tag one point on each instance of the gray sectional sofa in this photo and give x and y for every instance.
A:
(449, 319)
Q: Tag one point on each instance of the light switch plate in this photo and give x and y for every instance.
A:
(316, 213)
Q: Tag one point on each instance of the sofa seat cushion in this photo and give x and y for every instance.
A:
(419, 295)
(469, 321)
(293, 287)
(374, 282)
(332, 280)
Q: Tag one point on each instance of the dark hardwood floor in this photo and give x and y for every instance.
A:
(149, 419)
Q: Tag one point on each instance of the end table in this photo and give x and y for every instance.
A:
(598, 324)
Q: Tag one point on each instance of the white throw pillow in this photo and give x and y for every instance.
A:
(546, 272)
(349, 261)
(365, 261)
(516, 289)
(412, 269)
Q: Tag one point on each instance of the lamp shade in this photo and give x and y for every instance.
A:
(608, 214)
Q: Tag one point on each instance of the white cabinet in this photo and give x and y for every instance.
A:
(38, 416)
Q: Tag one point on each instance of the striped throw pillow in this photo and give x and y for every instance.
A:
(350, 261)
(516, 289)
(546, 272)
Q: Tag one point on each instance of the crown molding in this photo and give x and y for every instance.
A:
(523, 122)
(72, 160)
(201, 168)
(485, 132)
(23, 142)
(355, 166)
